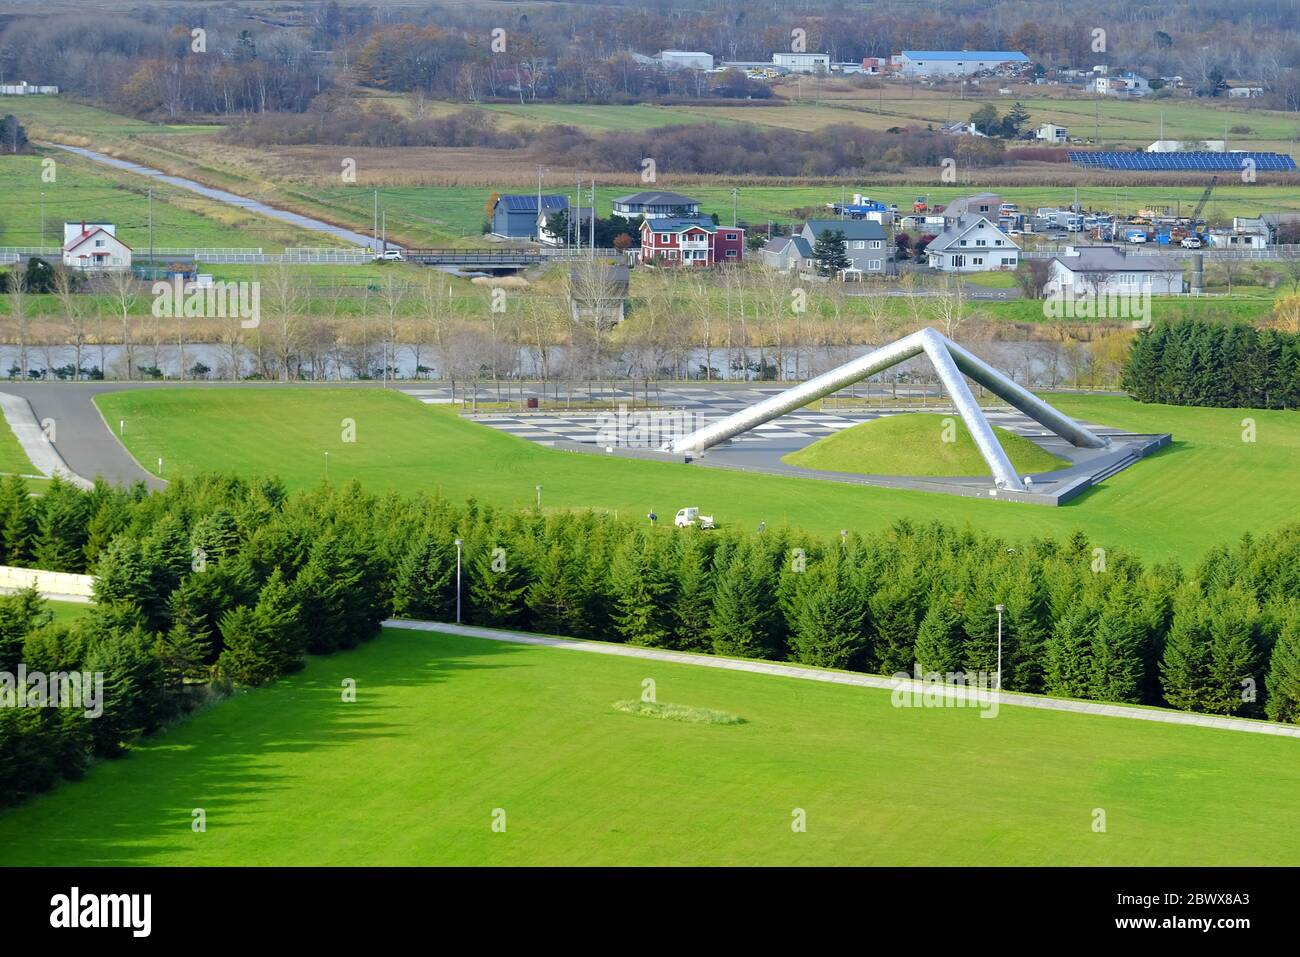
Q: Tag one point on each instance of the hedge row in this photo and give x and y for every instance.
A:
(221, 581)
(1215, 364)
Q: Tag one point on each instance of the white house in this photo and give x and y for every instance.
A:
(803, 62)
(1052, 133)
(1127, 83)
(1110, 270)
(1232, 239)
(94, 247)
(972, 244)
(685, 60)
(1179, 146)
(958, 62)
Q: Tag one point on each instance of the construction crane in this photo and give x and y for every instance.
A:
(1205, 198)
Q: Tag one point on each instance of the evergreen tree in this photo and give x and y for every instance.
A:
(642, 590)
(939, 639)
(554, 597)
(692, 596)
(184, 653)
(243, 659)
(426, 579)
(830, 622)
(277, 621)
(1184, 664)
(133, 689)
(14, 498)
(1284, 673)
(830, 253)
(1024, 633)
(216, 535)
(1067, 668)
(61, 528)
(109, 518)
(496, 587)
(896, 610)
(1234, 622)
(1118, 642)
(122, 576)
(20, 614)
(740, 622)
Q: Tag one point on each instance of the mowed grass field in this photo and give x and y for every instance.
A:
(446, 731)
(1208, 488)
(918, 444)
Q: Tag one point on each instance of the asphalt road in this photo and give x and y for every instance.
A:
(80, 435)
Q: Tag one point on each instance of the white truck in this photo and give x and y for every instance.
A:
(692, 516)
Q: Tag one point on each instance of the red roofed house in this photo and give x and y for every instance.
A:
(695, 241)
(93, 247)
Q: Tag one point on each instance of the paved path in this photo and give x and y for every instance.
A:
(230, 199)
(81, 439)
(972, 697)
(35, 441)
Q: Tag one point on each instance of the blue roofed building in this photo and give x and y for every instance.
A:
(515, 216)
(937, 63)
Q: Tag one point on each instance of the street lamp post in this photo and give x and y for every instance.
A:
(459, 542)
(1000, 610)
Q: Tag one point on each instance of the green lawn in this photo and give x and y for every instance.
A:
(1209, 487)
(446, 730)
(12, 457)
(67, 611)
(917, 444)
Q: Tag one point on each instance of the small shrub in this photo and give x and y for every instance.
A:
(677, 712)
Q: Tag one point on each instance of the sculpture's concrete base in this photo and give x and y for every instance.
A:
(1087, 468)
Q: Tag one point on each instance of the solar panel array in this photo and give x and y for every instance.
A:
(1106, 159)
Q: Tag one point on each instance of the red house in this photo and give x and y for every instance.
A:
(691, 242)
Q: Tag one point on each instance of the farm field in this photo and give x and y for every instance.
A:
(1176, 504)
(454, 215)
(87, 191)
(306, 178)
(447, 729)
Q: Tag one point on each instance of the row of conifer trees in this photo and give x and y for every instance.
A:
(219, 581)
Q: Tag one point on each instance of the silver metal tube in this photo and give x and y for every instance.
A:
(1004, 475)
(800, 395)
(1022, 399)
(950, 362)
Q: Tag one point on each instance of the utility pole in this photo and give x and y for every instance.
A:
(592, 244)
(540, 171)
(151, 262)
(41, 243)
(376, 234)
(734, 193)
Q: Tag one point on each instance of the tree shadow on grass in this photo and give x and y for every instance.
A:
(134, 809)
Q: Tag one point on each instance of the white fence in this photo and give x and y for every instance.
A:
(1276, 253)
(64, 584)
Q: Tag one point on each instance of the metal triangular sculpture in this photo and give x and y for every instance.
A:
(950, 362)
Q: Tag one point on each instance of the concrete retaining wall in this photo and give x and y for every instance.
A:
(47, 583)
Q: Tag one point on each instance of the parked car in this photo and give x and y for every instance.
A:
(1192, 242)
(390, 255)
(692, 516)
